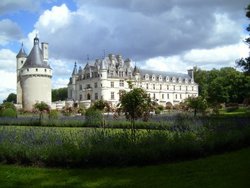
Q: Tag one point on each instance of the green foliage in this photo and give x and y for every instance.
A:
(11, 98)
(42, 107)
(93, 117)
(244, 63)
(135, 104)
(8, 109)
(198, 104)
(53, 114)
(51, 146)
(222, 86)
(60, 94)
(101, 105)
(8, 112)
(210, 172)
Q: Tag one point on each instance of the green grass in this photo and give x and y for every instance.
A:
(227, 170)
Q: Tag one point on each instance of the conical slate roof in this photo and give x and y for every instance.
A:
(21, 52)
(35, 58)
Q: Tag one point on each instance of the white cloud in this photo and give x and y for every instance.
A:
(7, 84)
(9, 31)
(54, 19)
(7, 60)
(222, 55)
(59, 82)
(167, 64)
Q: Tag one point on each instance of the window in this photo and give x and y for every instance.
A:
(146, 86)
(153, 86)
(180, 96)
(153, 77)
(121, 83)
(36, 70)
(192, 88)
(80, 97)
(88, 96)
(162, 96)
(80, 87)
(111, 84)
(28, 70)
(180, 88)
(45, 70)
(186, 88)
(95, 84)
(174, 87)
(22, 62)
(154, 96)
(167, 87)
(176, 96)
(88, 86)
(120, 74)
(96, 96)
(160, 87)
(168, 96)
(112, 95)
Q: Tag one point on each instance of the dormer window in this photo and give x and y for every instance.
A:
(160, 78)
(179, 80)
(153, 77)
(146, 77)
(167, 78)
(173, 79)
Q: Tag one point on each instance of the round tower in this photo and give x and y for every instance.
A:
(35, 78)
(20, 59)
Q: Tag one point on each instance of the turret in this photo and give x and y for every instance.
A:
(103, 69)
(20, 60)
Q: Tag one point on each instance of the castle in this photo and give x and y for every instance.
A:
(33, 76)
(105, 78)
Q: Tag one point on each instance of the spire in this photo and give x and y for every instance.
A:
(103, 64)
(36, 40)
(75, 69)
(21, 52)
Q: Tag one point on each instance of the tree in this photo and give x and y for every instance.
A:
(198, 104)
(59, 94)
(244, 63)
(8, 109)
(11, 98)
(135, 104)
(41, 107)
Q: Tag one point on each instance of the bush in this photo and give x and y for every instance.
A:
(8, 112)
(93, 117)
(53, 114)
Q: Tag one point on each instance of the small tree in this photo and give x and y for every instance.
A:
(11, 98)
(198, 104)
(244, 63)
(135, 104)
(41, 107)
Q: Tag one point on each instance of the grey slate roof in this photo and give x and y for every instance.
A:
(35, 58)
(162, 73)
(21, 52)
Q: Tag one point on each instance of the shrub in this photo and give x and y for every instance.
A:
(53, 114)
(8, 112)
(93, 117)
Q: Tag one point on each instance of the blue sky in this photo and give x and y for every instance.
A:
(161, 35)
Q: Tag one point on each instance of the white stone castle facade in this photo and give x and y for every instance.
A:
(105, 78)
(33, 76)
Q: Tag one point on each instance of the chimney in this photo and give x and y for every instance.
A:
(45, 51)
(191, 73)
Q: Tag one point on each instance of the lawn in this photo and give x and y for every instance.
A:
(226, 170)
